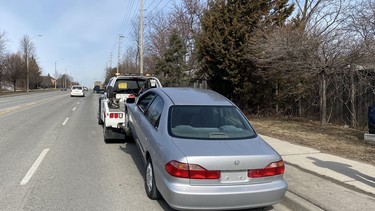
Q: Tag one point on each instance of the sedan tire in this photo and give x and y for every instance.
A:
(150, 185)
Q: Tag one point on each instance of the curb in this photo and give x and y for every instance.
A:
(295, 202)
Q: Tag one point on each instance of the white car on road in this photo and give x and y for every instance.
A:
(77, 90)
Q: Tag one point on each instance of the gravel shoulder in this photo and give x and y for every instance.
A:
(332, 139)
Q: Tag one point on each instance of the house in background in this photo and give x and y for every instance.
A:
(47, 82)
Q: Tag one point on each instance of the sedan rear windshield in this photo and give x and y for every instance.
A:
(77, 87)
(208, 122)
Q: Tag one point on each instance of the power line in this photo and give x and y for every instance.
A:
(150, 5)
(156, 6)
(126, 16)
(132, 10)
(166, 4)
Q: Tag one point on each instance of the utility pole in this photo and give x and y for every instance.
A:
(56, 73)
(65, 79)
(55, 76)
(110, 61)
(28, 72)
(118, 54)
(141, 39)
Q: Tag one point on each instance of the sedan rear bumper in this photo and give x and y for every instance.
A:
(187, 197)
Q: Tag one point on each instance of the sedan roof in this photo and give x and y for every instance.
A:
(190, 96)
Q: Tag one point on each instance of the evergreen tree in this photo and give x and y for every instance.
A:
(228, 29)
(172, 66)
(35, 73)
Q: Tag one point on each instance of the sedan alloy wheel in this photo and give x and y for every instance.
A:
(150, 186)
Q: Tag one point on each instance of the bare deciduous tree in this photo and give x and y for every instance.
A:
(157, 35)
(187, 17)
(326, 52)
(2, 58)
(185, 20)
(14, 69)
(27, 49)
(309, 49)
(129, 61)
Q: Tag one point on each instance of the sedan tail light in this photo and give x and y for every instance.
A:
(271, 169)
(192, 171)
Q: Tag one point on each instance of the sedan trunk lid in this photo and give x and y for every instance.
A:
(233, 158)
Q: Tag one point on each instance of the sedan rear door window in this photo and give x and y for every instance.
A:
(154, 111)
(144, 101)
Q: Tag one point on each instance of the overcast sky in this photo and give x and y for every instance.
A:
(77, 35)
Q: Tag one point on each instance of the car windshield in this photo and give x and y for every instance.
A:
(129, 86)
(208, 122)
(77, 88)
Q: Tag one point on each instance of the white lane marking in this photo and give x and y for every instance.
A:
(66, 120)
(34, 167)
(78, 103)
(74, 108)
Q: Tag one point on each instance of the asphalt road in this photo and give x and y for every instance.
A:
(53, 157)
(78, 171)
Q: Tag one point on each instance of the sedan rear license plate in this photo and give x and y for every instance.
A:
(233, 176)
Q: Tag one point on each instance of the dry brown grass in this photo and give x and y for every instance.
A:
(332, 139)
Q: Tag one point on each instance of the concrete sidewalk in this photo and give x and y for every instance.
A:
(349, 172)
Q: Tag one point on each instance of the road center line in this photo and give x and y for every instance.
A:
(74, 108)
(10, 109)
(34, 167)
(15, 108)
(66, 120)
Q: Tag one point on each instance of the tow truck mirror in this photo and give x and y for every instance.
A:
(152, 83)
(130, 100)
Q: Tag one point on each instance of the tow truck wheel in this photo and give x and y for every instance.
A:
(100, 121)
(106, 134)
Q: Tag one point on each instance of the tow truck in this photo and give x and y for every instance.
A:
(112, 104)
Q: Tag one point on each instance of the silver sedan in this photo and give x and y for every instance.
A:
(201, 152)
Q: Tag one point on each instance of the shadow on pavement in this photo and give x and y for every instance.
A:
(131, 149)
(346, 170)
